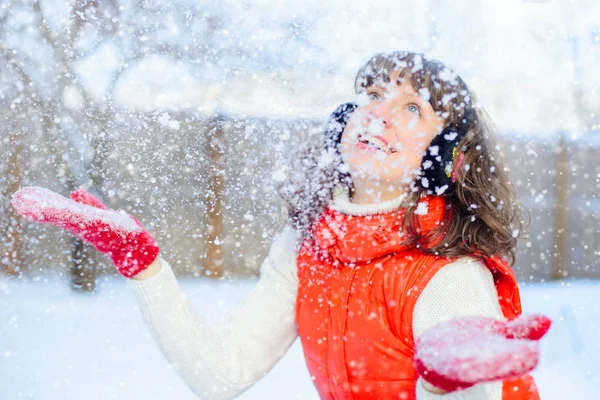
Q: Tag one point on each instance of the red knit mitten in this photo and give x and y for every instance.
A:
(113, 232)
(464, 351)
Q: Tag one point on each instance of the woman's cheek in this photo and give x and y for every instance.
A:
(351, 157)
(345, 151)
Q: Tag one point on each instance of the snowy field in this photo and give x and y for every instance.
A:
(55, 344)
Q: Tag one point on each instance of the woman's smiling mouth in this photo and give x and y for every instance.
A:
(374, 143)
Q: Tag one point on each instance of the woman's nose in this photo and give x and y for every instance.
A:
(383, 112)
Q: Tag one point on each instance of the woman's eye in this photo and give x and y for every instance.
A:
(374, 96)
(414, 109)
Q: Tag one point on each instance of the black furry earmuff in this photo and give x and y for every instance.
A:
(440, 157)
(335, 126)
(443, 154)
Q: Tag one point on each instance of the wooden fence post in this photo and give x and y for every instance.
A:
(560, 269)
(213, 266)
(11, 238)
(83, 269)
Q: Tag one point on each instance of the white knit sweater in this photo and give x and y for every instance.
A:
(221, 361)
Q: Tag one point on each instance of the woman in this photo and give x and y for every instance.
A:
(393, 270)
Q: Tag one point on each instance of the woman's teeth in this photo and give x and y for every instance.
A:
(375, 143)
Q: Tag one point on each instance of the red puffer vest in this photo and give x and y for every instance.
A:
(357, 290)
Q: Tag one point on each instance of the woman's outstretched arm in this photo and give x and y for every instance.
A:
(217, 362)
(465, 345)
(465, 287)
(221, 361)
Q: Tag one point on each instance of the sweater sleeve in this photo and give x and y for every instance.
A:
(464, 287)
(221, 361)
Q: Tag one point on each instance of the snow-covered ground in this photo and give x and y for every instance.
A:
(55, 344)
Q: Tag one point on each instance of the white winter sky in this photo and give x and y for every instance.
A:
(522, 57)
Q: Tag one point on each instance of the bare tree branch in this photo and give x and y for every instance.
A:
(44, 28)
(77, 22)
(28, 83)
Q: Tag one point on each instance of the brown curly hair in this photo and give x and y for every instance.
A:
(486, 214)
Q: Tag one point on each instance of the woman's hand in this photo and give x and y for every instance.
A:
(115, 233)
(464, 351)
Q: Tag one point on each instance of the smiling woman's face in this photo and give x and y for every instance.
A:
(385, 139)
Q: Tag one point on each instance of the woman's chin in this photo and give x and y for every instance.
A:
(374, 176)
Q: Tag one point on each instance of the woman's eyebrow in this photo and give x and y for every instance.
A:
(411, 95)
(374, 87)
(416, 97)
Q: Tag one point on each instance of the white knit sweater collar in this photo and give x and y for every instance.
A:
(341, 202)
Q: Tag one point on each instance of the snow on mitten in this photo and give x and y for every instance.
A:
(113, 232)
(464, 351)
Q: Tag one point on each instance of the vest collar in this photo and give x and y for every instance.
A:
(354, 233)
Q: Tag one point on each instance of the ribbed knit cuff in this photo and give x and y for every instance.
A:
(160, 294)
